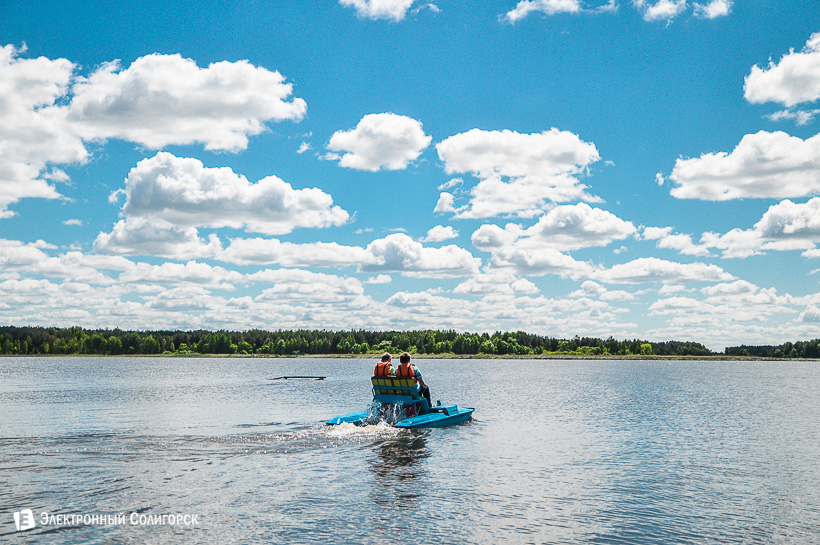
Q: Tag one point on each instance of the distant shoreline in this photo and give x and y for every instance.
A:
(609, 357)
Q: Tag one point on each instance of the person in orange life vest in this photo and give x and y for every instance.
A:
(384, 367)
(407, 369)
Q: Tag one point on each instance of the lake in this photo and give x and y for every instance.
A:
(209, 450)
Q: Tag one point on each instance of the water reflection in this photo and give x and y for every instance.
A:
(399, 472)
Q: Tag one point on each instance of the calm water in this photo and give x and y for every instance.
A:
(559, 452)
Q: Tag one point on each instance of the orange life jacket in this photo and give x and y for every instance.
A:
(382, 369)
(405, 370)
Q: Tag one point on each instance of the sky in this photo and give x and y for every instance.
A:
(638, 169)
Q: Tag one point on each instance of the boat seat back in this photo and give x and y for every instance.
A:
(388, 389)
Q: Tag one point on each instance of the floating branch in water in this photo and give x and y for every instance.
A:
(286, 378)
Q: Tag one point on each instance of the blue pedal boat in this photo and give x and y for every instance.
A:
(396, 400)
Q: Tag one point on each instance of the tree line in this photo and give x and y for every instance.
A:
(77, 340)
(799, 349)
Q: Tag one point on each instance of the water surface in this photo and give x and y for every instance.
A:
(559, 452)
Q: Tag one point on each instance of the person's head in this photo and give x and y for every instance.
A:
(404, 358)
(386, 356)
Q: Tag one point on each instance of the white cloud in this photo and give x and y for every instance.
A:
(489, 237)
(531, 257)
(668, 289)
(400, 253)
(300, 285)
(495, 283)
(440, 233)
(714, 9)
(33, 128)
(380, 141)
(74, 222)
(538, 249)
(18, 259)
(450, 184)
(784, 226)
(156, 237)
(379, 279)
(184, 193)
(394, 10)
(793, 80)
(548, 7)
(661, 10)
(810, 314)
(594, 290)
(539, 167)
(165, 99)
(762, 165)
(652, 269)
(446, 203)
(303, 148)
(736, 243)
(674, 241)
(47, 112)
(266, 251)
(800, 117)
(187, 274)
(571, 227)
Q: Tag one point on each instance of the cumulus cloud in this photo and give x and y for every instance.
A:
(156, 237)
(440, 233)
(394, 10)
(539, 249)
(530, 257)
(185, 193)
(784, 226)
(538, 167)
(738, 310)
(48, 113)
(267, 251)
(548, 7)
(793, 80)
(762, 165)
(800, 117)
(489, 237)
(571, 227)
(34, 131)
(379, 279)
(495, 283)
(184, 274)
(563, 228)
(18, 259)
(683, 243)
(652, 269)
(300, 285)
(400, 253)
(661, 10)
(810, 314)
(379, 141)
(166, 99)
(594, 290)
(713, 10)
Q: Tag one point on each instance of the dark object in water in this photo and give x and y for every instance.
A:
(298, 376)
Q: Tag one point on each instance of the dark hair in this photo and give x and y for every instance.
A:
(386, 356)
(404, 358)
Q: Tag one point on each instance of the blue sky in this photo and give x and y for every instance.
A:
(637, 168)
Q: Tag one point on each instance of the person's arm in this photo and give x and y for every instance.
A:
(418, 376)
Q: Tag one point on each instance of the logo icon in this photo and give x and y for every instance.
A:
(24, 520)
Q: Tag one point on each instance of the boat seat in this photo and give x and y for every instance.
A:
(387, 389)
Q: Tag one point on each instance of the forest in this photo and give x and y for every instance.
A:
(80, 341)
(799, 349)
